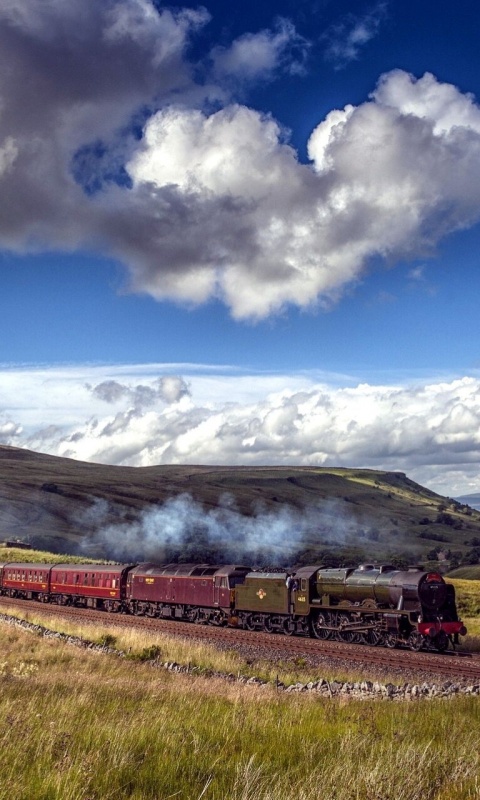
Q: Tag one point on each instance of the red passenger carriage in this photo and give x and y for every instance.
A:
(25, 580)
(90, 585)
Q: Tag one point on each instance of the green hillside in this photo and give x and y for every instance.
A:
(466, 573)
(349, 514)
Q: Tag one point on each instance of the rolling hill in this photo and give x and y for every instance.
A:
(200, 512)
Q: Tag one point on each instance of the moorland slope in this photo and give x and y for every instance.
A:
(54, 503)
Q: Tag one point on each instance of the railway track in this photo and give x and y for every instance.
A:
(455, 666)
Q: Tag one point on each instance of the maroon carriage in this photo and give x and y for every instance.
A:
(25, 580)
(90, 585)
(195, 592)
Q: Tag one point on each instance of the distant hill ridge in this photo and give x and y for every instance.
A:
(55, 503)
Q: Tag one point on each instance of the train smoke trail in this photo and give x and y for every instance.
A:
(182, 529)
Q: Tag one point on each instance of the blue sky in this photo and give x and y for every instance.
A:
(242, 233)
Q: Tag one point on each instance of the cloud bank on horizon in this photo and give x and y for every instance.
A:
(113, 138)
(141, 417)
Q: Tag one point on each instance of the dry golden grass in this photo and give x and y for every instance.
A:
(80, 725)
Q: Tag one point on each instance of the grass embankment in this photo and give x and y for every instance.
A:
(43, 557)
(81, 726)
(468, 573)
(199, 657)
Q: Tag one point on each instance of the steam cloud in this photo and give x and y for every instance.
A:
(107, 139)
(182, 529)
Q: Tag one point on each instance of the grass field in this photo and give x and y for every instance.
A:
(78, 725)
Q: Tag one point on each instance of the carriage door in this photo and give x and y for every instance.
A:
(216, 591)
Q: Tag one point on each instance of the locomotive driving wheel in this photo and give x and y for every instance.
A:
(374, 637)
(318, 626)
(344, 635)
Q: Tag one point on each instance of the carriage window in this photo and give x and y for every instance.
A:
(224, 583)
(114, 583)
(303, 585)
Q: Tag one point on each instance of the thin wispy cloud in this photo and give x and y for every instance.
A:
(261, 56)
(345, 39)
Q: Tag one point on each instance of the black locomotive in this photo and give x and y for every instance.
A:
(371, 604)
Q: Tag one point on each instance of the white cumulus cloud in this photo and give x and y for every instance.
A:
(136, 416)
(215, 204)
(264, 230)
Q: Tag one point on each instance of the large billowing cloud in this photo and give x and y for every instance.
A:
(71, 75)
(121, 416)
(108, 141)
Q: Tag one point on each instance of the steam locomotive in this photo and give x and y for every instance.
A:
(371, 604)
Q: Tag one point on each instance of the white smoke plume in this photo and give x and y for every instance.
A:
(182, 529)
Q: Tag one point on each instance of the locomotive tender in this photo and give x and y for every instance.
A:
(371, 604)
